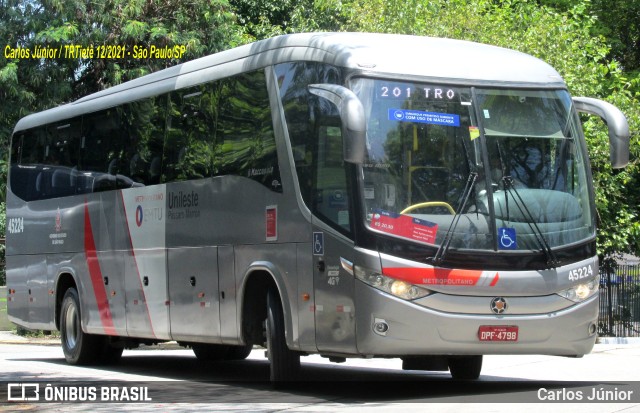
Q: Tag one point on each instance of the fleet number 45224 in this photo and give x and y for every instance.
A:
(580, 273)
(15, 225)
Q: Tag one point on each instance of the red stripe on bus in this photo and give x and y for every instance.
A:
(434, 276)
(95, 274)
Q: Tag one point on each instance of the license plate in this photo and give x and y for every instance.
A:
(498, 333)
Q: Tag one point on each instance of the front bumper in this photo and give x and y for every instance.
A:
(416, 330)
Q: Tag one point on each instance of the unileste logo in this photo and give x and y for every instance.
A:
(183, 205)
(139, 215)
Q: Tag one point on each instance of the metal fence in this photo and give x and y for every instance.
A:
(620, 302)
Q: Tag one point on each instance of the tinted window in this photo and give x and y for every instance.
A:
(190, 133)
(314, 130)
(218, 128)
(245, 142)
(299, 106)
(101, 149)
(143, 124)
(46, 160)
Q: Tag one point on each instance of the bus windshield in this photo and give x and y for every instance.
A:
(495, 169)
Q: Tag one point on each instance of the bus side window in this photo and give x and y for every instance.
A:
(45, 161)
(100, 151)
(29, 184)
(190, 134)
(331, 200)
(22, 177)
(316, 139)
(245, 141)
(143, 125)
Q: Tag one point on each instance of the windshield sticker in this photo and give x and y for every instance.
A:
(474, 132)
(369, 192)
(507, 238)
(418, 116)
(404, 226)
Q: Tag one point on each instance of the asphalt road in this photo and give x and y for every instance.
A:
(175, 380)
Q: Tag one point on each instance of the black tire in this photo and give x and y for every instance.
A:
(284, 363)
(465, 367)
(210, 352)
(239, 352)
(79, 347)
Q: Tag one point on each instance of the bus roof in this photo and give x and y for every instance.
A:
(436, 59)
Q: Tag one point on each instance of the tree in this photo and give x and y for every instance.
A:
(262, 19)
(619, 22)
(28, 85)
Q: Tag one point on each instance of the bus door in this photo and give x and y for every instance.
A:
(332, 249)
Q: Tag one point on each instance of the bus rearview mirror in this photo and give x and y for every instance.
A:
(352, 118)
(617, 124)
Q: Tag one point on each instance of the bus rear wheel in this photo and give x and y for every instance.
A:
(210, 352)
(220, 352)
(239, 352)
(284, 363)
(465, 367)
(79, 347)
(110, 354)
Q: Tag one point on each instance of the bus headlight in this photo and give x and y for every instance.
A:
(397, 288)
(581, 292)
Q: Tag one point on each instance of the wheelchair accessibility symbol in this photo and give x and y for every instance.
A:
(507, 239)
(318, 243)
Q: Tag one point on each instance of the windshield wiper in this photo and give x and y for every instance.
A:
(552, 260)
(438, 258)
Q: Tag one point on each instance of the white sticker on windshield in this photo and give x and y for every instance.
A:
(343, 217)
(486, 114)
(369, 192)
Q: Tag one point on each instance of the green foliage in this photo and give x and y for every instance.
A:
(3, 226)
(619, 22)
(262, 19)
(203, 26)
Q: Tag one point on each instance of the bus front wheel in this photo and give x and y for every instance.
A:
(284, 363)
(79, 347)
(465, 367)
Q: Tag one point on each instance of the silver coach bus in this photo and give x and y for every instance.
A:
(348, 195)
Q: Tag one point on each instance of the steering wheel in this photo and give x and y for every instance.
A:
(429, 204)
